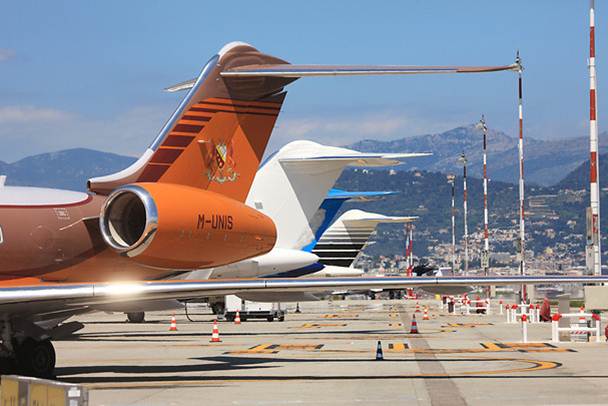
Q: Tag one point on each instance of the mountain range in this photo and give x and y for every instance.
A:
(423, 192)
(546, 162)
(67, 169)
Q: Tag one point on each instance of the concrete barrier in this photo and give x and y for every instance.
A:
(22, 390)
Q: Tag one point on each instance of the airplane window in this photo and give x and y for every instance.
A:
(1, 236)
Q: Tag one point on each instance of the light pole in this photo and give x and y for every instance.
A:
(407, 250)
(485, 261)
(594, 188)
(463, 160)
(522, 245)
(452, 182)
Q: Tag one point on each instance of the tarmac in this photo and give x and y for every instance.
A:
(326, 356)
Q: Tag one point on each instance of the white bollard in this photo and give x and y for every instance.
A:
(524, 327)
(509, 314)
(554, 332)
(538, 313)
(513, 314)
(488, 308)
(598, 329)
(500, 307)
(531, 314)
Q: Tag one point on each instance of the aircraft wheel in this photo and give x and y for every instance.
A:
(218, 308)
(36, 358)
(136, 317)
(7, 366)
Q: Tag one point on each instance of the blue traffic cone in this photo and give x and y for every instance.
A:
(379, 354)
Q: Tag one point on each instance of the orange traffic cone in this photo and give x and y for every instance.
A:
(237, 318)
(173, 326)
(414, 327)
(417, 307)
(425, 316)
(215, 335)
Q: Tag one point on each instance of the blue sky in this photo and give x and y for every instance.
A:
(91, 74)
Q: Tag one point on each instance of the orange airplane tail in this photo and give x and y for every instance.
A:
(217, 136)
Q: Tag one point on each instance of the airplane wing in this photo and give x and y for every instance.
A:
(29, 300)
(299, 71)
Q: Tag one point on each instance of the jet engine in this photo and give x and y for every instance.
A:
(173, 226)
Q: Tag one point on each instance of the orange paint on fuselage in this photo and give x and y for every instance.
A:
(39, 243)
(202, 229)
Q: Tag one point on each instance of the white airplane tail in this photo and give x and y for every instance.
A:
(342, 242)
(291, 185)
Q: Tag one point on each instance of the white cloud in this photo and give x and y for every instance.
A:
(25, 114)
(28, 130)
(6, 54)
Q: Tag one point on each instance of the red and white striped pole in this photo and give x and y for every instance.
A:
(522, 246)
(594, 188)
(463, 160)
(407, 250)
(452, 182)
(411, 248)
(486, 242)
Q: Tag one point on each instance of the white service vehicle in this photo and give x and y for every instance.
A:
(252, 310)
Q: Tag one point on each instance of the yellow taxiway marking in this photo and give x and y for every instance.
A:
(523, 347)
(256, 349)
(330, 316)
(319, 325)
(532, 366)
(468, 325)
(398, 347)
(492, 347)
(303, 347)
(275, 348)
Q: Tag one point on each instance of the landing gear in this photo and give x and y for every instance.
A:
(136, 317)
(218, 308)
(36, 358)
(26, 349)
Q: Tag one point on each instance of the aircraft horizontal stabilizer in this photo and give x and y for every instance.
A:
(360, 159)
(299, 71)
(378, 220)
(358, 195)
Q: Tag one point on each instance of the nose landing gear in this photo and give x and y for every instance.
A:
(26, 354)
(36, 358)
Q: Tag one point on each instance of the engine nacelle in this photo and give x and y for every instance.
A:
(180, 227)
